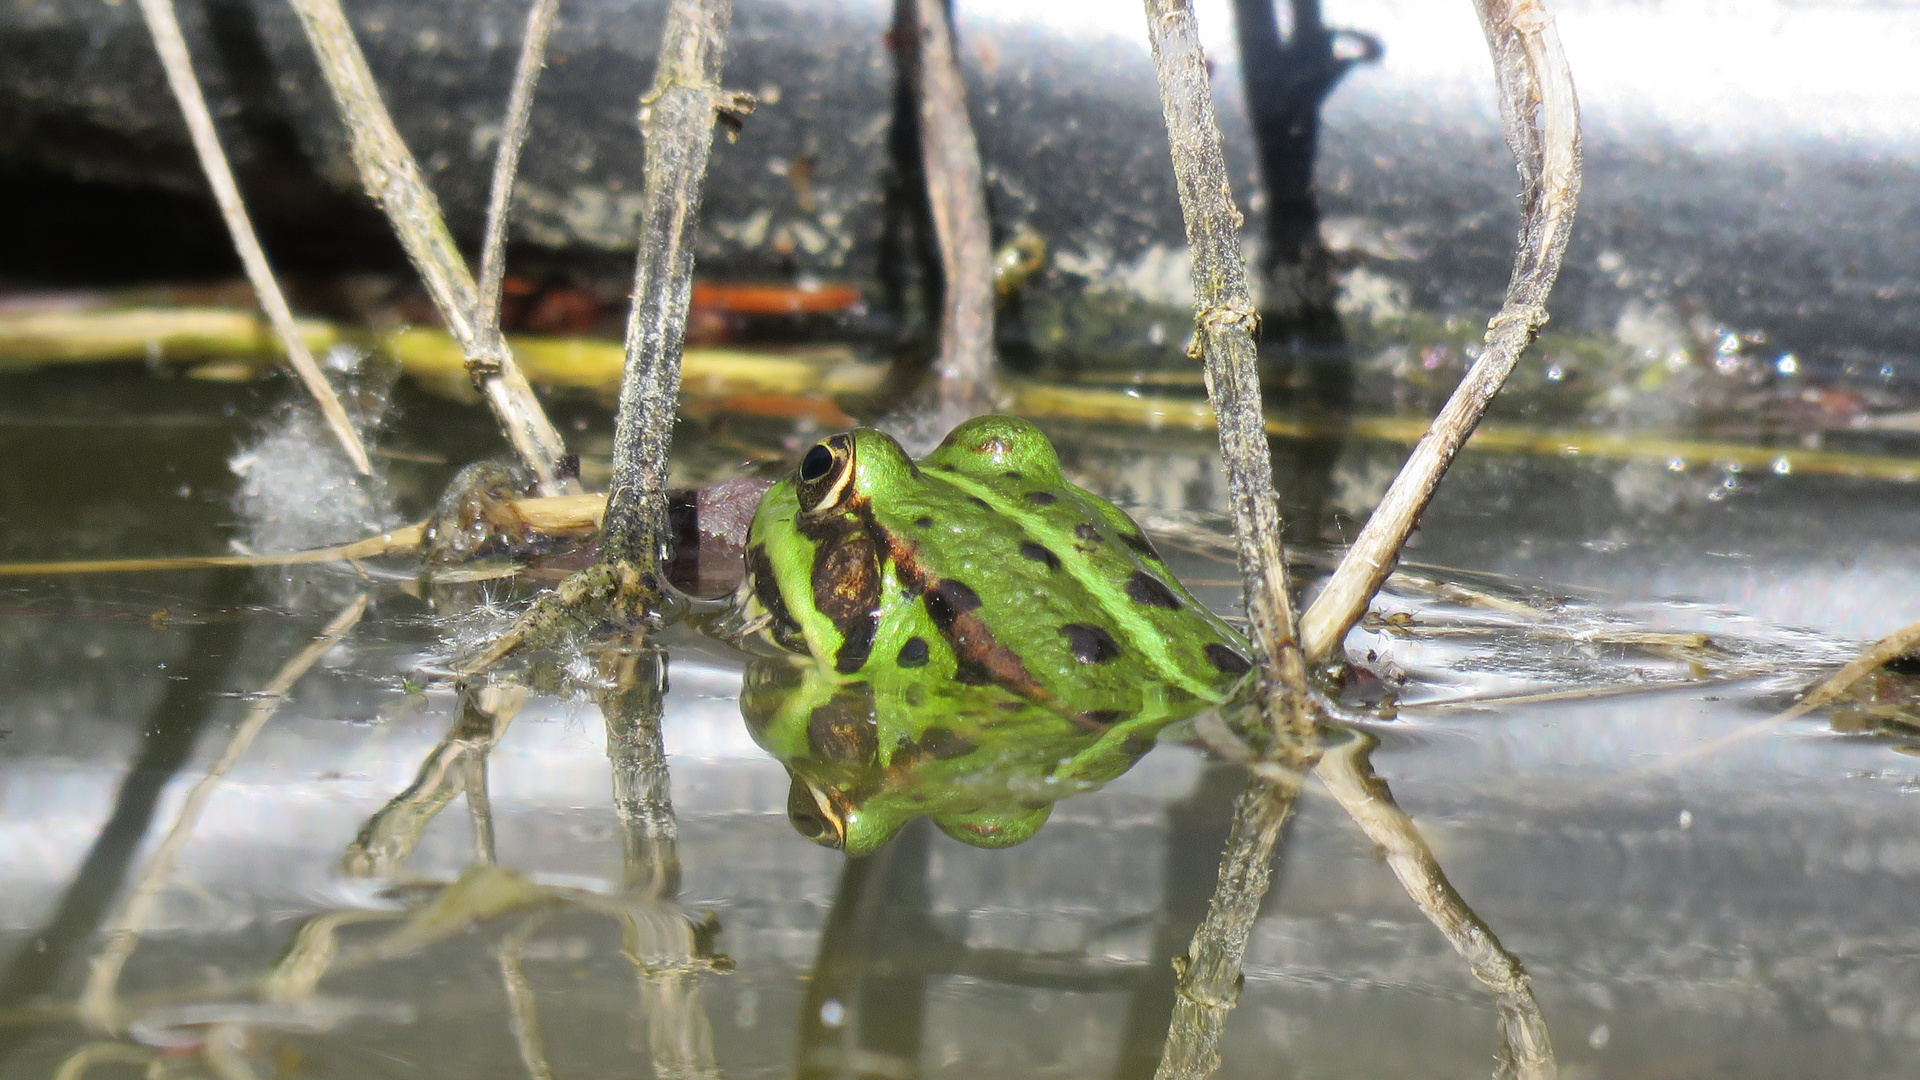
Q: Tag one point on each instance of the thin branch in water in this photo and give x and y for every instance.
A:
(677, 117)
(1209, 975)
(1526, 1051)
(393, 178)
(99, 1006)
(1541, 117)
(957, 193)
(164, 24)
(1225, 323)
(506, 159)
(390, 835)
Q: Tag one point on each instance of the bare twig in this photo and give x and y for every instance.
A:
(506, 159)
(1526, 1052)
(1542, 121)
(677, 117)
(98, 1003)
(392, 177)
(1225, 322)
(957, 193)
(1209, 974)
(164, 25)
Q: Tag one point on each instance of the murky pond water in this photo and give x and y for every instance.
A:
(356, 898)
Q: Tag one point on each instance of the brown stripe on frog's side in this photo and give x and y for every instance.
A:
(979, 659)
(782, 627)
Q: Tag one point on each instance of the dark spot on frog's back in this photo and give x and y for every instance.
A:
(979, 502)
(936, 743)
(948, 600)
(1090, 644)
(1087, 536)
(1039, 553)
(1227, 659)
(913, 654)
(1098, 719)
(1144, 588)
(842, 729)
(1141, 545)
(1042, 498)
(923, 523)
(1014, 474)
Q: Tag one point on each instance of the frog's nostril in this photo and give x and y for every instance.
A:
(817, 463)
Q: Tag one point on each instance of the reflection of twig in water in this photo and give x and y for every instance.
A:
(105, 1053)
(98, 1006)
(1542, 122)
(390, 835)
(164, 25)
(1526, 1053)
(655, 935)
(1210, 972)
(522, 1016)
(393, 178)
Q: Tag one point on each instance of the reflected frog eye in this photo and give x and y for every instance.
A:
(815, 815)
(825, 474)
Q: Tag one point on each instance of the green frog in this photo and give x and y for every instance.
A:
(969, 636)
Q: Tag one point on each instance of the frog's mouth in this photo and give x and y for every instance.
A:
(817, 814)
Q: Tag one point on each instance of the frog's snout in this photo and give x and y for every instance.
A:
(816, 815)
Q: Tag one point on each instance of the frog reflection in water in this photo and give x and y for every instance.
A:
(969, 637)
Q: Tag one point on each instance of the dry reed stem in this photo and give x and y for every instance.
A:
(1526, 1051)
(164, 24)
(957, 193)
(506, 159)
(677, 118)
(1209, 975)
(392, 177)
(99, 1007)
(1225, 322)
(1541, 118)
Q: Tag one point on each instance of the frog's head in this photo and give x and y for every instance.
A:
(842, 470)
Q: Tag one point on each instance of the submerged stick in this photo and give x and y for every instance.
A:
(957, 193)
(677, 118)
(1541, 117)
(164, 24)
(1209, 975)
(506, 159)
(1526, 1051)
(98, 1004)
(1225, 322)
(392, 177)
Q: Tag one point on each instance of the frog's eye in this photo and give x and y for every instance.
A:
(825, 473)
(816, 815)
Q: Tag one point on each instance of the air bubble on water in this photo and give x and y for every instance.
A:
(832, 1013)
(297, 489)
